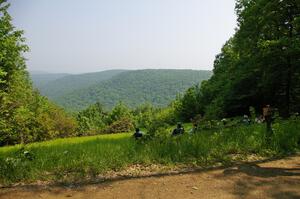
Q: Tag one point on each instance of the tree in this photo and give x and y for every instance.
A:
(92, 119)
(25, 116)
(143, 115)
(118, 112)
(12, 74)
(259, 64)
(268, 44)
(190, 104)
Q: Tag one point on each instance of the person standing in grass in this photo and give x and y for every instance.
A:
(179, 130)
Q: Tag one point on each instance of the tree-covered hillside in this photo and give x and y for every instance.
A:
(40, 79)
(68, 83)
(159, 87)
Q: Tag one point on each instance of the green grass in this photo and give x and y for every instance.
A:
(73, 159)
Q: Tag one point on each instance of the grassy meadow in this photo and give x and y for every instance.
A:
(72, 159)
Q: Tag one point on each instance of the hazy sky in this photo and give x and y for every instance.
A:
(83, 36)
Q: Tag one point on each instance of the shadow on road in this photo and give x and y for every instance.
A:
(246, 179)
(263, 172)
(277, 183)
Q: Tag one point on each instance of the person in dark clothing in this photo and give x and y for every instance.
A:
(138, 134)
(178, 130)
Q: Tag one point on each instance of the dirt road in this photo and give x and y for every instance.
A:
(274, 179)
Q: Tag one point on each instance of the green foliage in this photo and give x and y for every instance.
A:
(95, 120)
(118, 112)
(143, 115)
(56, 85)
(53, 122)
(134, 88)
(161, 119)
(189, 105)
(258, 65)
(25, 116)
(2, 76)
(252, 113)
(120, 126)
(283, 140)
(215, 110)
(92, 120)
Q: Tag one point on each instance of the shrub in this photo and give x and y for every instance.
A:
(120, 126)
(286, 135)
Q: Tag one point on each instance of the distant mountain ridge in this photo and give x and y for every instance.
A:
(133, 87)
(40, 78)
(69, 83)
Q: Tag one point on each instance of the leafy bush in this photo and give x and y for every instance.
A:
(118, 112)
(143, 115)
(162, 119)
(16, 168)
(91, 120)
(286, 135)
(120, 126)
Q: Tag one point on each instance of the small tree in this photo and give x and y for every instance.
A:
(118, 112)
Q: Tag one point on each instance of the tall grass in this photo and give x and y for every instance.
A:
(76, 158)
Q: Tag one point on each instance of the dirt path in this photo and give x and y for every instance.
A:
(275, 179)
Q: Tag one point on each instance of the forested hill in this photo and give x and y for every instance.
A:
(158, 87)
(40, 79)
(57, 85)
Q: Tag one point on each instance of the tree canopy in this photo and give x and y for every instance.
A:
(259, 65)
(25, 116)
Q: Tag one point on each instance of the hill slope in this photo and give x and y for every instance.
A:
(158, 87)
(69, 83)
(40, 79)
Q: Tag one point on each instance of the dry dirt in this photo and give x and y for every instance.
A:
(271, 179)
